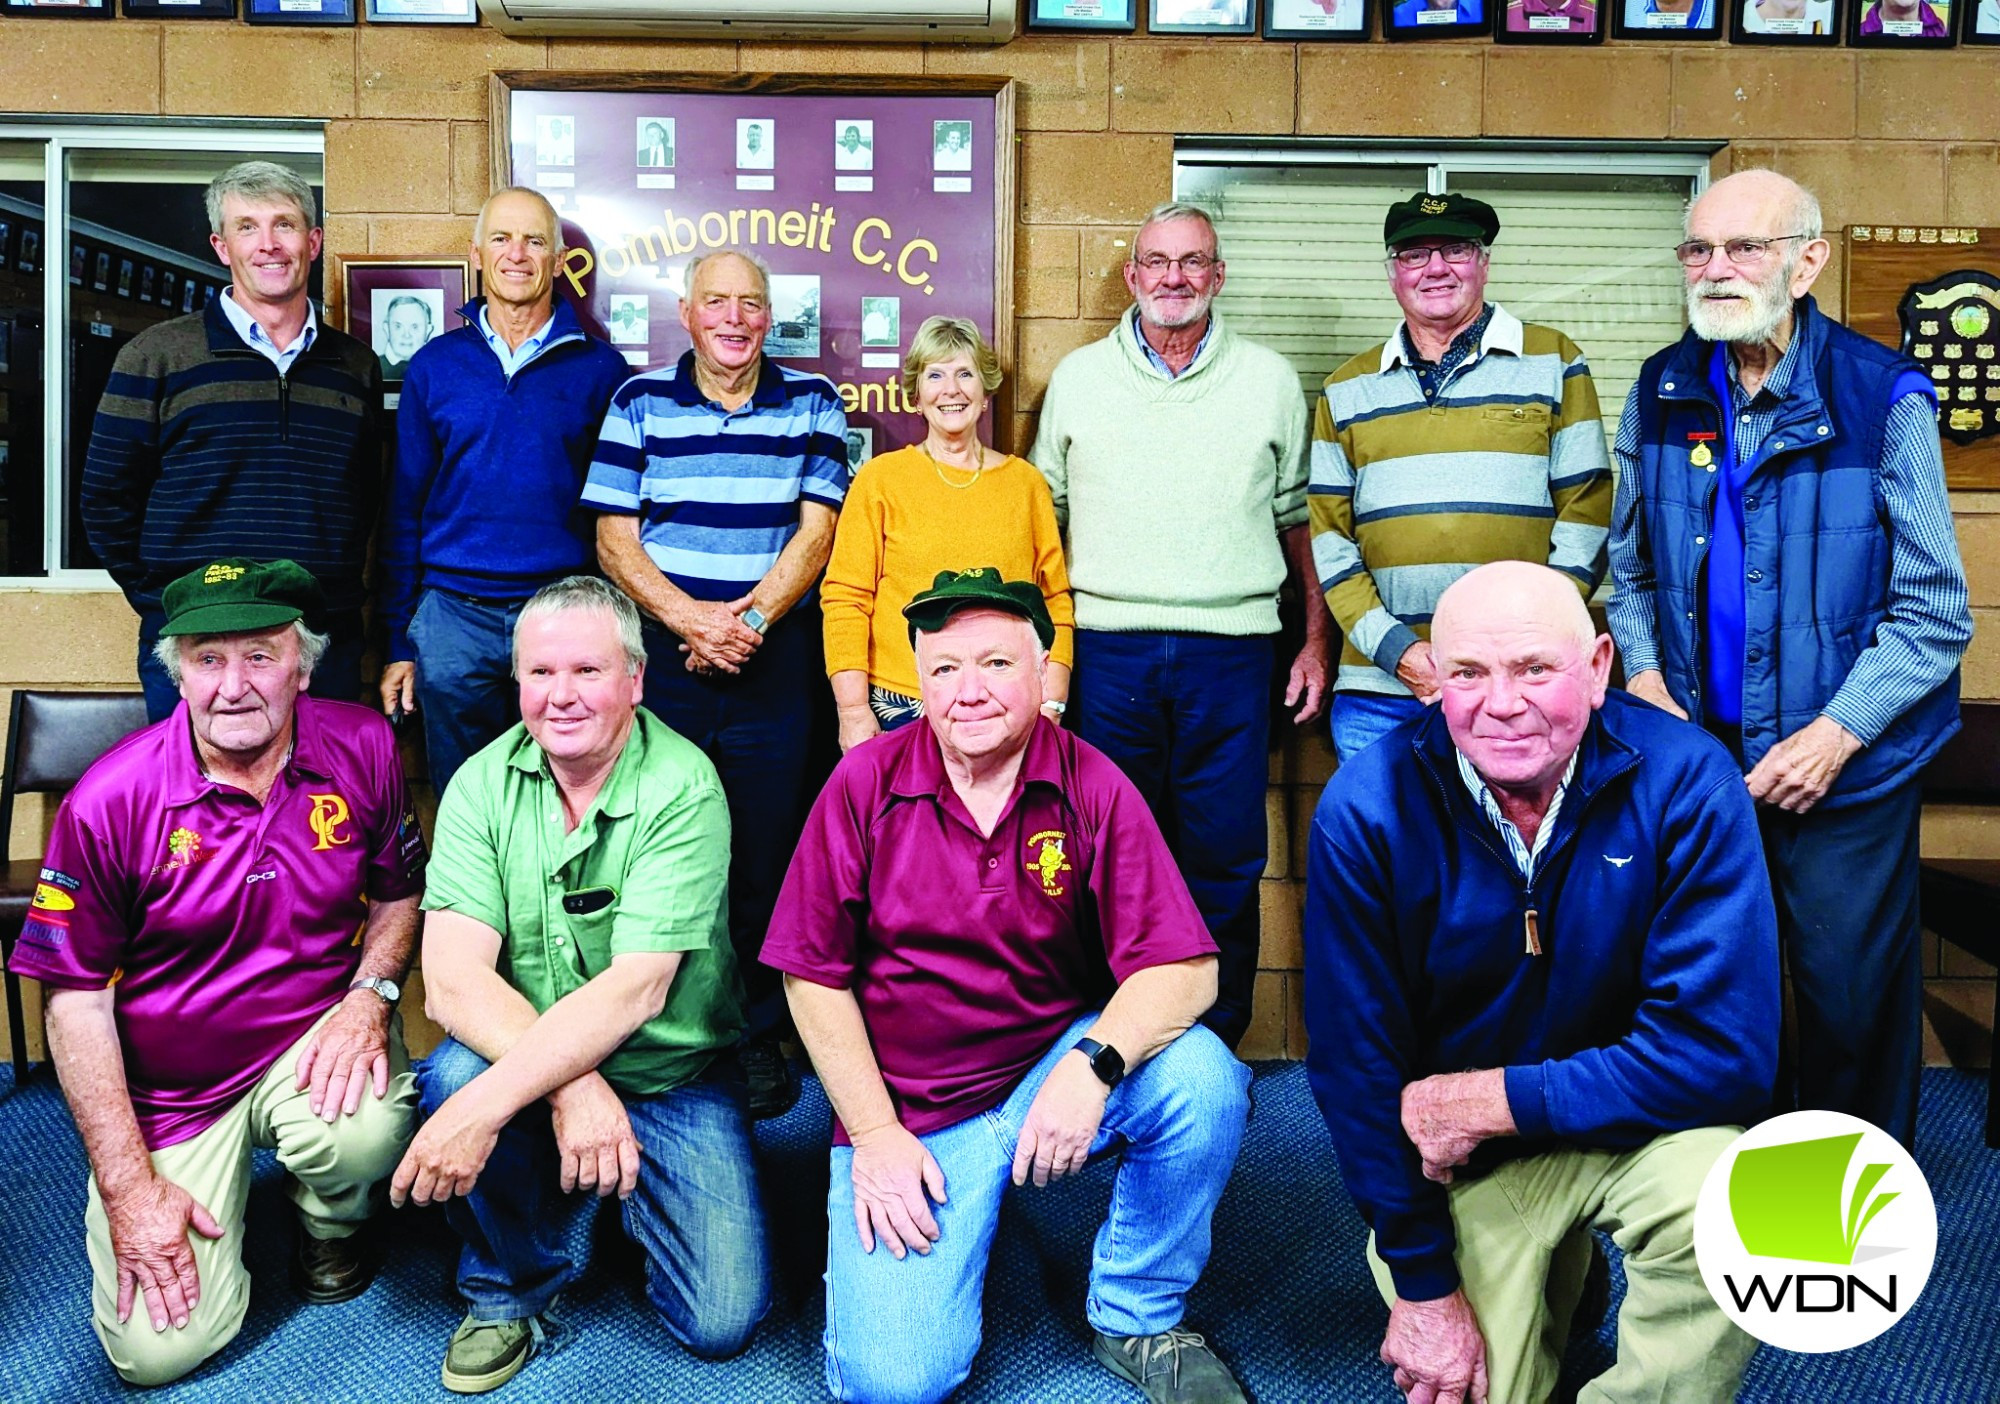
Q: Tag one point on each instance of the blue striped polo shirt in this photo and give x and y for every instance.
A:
(717, 491)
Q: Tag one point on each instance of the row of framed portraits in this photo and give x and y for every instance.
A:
(258, 11)
(1888, 23)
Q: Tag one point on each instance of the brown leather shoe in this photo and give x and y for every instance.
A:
(326, 1270)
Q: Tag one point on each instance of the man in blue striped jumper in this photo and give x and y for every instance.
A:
(717, 482)
(1788, 576)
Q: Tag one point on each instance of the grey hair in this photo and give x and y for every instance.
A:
(261, 181)
(1035, 648)
(1178, 209)
(312, 648)
(555, 218)
(696, 264)
(579, 592)
(407, 300)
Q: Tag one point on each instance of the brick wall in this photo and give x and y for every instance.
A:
(1882, 137)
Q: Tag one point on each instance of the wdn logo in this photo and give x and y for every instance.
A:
(1815, 1231)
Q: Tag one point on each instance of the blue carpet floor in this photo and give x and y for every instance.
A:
(1287, 1296)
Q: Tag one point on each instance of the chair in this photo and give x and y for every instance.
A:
(52, 738)
(1961, 896)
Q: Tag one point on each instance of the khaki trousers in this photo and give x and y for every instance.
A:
(331, 1171)
(1524, 1248)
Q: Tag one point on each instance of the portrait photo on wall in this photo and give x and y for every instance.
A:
(58, 9)
(656, 143)
(756, 143)
(299, 11)
(860, 447)
(853, 145)
(555, 140)
(1982, 22)
(1115, 16)
(423, 12)
(1900, 24)
(1201, 17)
(31, 248)
(1436, 19)
(395, 305)
(1316, 19)
(1549, 22)
(180, 9)
(1666, 19)
(401, 321)
(1784, 21)
(951, 146)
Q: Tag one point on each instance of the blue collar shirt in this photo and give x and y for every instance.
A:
(254, 337)
(513, 358)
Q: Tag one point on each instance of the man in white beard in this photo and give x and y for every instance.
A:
(1788, 577)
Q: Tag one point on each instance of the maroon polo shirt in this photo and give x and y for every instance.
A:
(225, 927)
(969, 954)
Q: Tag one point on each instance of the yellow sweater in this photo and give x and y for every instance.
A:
(901, 524)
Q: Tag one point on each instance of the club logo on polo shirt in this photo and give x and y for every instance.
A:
(1046, 860)
(329, 812)
(184, 850)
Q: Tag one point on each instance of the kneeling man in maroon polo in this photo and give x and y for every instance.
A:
(997, 970)
(228, 900)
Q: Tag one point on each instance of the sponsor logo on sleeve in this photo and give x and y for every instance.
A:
(47, 931)
(61, 879)
(50, 898)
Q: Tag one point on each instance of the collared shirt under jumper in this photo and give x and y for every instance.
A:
(253, 334)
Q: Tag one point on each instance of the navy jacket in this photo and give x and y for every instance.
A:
(489, 468)
(1653, 1008)
(1815, 550)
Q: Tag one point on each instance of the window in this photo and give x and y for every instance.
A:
(1586, 243)
(103, 233)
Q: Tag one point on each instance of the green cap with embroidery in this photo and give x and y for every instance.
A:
(234, 595)
(982, 588)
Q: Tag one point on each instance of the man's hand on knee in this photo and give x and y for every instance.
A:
(1447, 1116)
(448, 1153)
(1436, 1350)
(893, 1173)
(594, 1137)
(1062, 1122)
(350, 1050)
(149, 1223)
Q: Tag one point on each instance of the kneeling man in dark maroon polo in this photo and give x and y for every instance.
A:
(997, 970)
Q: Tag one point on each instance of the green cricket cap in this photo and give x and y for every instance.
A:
(982, 588)
(1445, 216)
(234, 595)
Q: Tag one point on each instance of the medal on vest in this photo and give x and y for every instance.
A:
(1701, 457)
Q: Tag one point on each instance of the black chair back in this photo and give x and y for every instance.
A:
(53, 737)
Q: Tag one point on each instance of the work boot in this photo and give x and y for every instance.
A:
(326, 1270)
(1174, 1367)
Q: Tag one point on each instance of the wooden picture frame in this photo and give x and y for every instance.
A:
(1102, 16)
(929, 221)
(1644, 19)
(1870, 26)
(377, 292)
(1817, 26)
(1186, 17)
(1319, 21)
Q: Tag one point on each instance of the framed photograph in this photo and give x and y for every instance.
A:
(951, 146)
(1900, 24)
(31, 248)
(1437, 19)
(170, 291)
(396, 304)
(1666, 19)
(6, 242)
(423, 11)
(180, 9)
(854, 142)
(1549, 21)
(1316, 19)
(860, 447)
(1201, 17)
(655, 144)
(100, 277)
(1117, 16)
(756, 143)
(1784, 21)
(299, 11)
(58, 9)
(1982, 22)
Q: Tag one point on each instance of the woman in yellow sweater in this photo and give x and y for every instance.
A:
(947, 503)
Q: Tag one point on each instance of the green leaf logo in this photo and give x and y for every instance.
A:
(1785, 1200)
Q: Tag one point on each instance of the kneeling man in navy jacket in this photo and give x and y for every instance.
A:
(1542, 989)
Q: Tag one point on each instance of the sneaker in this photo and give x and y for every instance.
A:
(484, 1355)
(1174, 1367)
(774, 1087)
(327, 1270)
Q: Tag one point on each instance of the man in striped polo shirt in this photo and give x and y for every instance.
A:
(717, 482)
(1481, 441)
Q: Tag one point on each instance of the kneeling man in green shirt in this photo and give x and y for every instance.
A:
(577, 951)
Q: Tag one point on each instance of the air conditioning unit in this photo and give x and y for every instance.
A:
(959, 21)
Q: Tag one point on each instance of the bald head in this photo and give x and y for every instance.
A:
(1517, 595)
(1769, 202)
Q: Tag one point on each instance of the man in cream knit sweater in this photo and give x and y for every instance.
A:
(1176, 453)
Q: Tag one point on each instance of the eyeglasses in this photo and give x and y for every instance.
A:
(1194, 264)
(1744, 253)
(1419, 256)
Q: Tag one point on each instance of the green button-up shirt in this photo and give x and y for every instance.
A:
(647, 869)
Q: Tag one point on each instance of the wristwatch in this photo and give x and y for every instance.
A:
(388, 991)
(754, 617)
(1107, 1062)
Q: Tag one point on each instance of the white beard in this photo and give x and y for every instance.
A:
(1768, 305)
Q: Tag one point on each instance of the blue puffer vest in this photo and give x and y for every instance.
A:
(1815, 550)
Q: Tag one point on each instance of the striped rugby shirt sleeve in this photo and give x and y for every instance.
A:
(1579, 476)
(620, 459)
(1343, 578)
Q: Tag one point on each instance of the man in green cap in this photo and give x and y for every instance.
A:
(984, 936)
(228, 901)
(1481, 440)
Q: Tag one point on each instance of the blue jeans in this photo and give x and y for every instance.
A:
(1187, 718)
(908, 1330)
(1360, 719)
(466, 693)
(756, 726)
(697, 1212)
(337, 678)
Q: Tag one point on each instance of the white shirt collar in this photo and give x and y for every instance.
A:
(1503, 333)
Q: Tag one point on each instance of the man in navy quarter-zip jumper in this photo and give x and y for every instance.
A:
(245, 429)
(1542, 993)
(494, 436)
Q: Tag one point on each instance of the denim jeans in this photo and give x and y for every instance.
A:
(1360, 719)
(697, 1212)
(1187, 718)
(908, 1330)
(337, 678)
(756, 726)
(466, 693)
